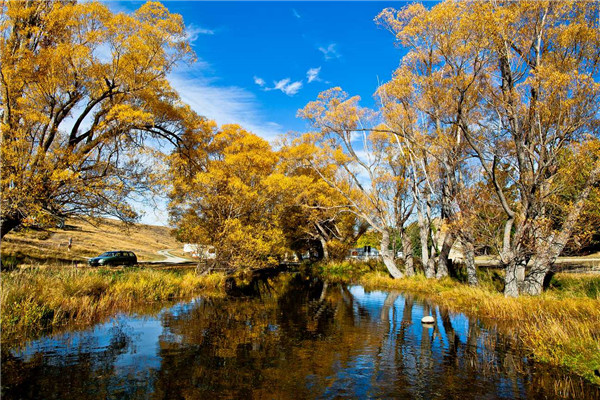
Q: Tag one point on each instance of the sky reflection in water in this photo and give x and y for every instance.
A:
(295, 338)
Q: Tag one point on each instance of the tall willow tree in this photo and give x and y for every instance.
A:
(518, 82)
(317, 219)
(83, 90)
(429, 93)
(227, 193)
(370, 175)
(541, 98)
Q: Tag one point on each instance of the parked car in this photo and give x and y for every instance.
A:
(114, 258)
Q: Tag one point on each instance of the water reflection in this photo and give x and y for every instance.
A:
(296, 338)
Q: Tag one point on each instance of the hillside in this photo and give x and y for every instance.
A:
(30, 245)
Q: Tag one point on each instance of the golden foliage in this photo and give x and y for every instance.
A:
(83, 88)
(228, 196)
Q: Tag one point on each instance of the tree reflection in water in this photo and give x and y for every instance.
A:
(294, 337)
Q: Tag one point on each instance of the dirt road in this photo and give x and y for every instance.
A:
(169, 258)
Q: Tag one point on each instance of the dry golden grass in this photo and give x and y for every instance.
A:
(88, 241)
(33, 299)
(561, 327)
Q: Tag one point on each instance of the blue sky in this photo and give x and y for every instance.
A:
(254, 58)
(259, 62)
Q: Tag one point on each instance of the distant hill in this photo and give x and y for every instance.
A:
(89, 240)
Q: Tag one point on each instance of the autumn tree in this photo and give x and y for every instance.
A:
(522, 82)
(84, 91)
(365, 178)
(228, 194)
(540, 94)
(422, 104)
(317, 217)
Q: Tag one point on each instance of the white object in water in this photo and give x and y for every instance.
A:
(428, 320)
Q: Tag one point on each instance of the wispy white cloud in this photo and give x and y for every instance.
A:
(313, 74)
(224, 104)
(292, 88)
(259, 81)
(194, 31)
(296, 14)
(330, 52)
(286, 87)
(281, 85)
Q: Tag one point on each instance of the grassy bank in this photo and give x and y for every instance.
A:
(560, 327)
(35, 299)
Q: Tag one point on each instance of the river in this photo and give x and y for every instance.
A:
(289, 337)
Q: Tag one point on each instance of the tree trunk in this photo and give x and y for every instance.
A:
(7, 224)
(533, 283)
(511, 281)
(407, 250)
(324, 247)
(430, 268)
(470, 262)
(442, 260)
(521, 274)
(423, 236)
(388, 257)
(545, 257)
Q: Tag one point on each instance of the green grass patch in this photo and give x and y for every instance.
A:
(346, 271)
(576, 285)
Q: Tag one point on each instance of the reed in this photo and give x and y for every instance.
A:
(38, 298)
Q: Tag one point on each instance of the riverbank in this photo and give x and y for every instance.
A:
(560, 327)
(41, 298)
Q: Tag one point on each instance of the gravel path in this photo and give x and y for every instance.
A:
(170, 258)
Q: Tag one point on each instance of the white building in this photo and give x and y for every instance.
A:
(364, 253)
(200, 251)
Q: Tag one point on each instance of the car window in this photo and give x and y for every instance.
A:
(131, 254)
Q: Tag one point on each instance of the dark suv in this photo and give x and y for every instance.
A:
(114, 258)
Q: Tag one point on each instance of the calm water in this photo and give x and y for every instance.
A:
(294, 338)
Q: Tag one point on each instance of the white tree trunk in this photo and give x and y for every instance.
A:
(423, 236)
(546, 256)
(407, 251)
(324, 246)
(470, 262)
(511, 281)
(442, 260)
(521, 274)
(430, 268)
(388, 257)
